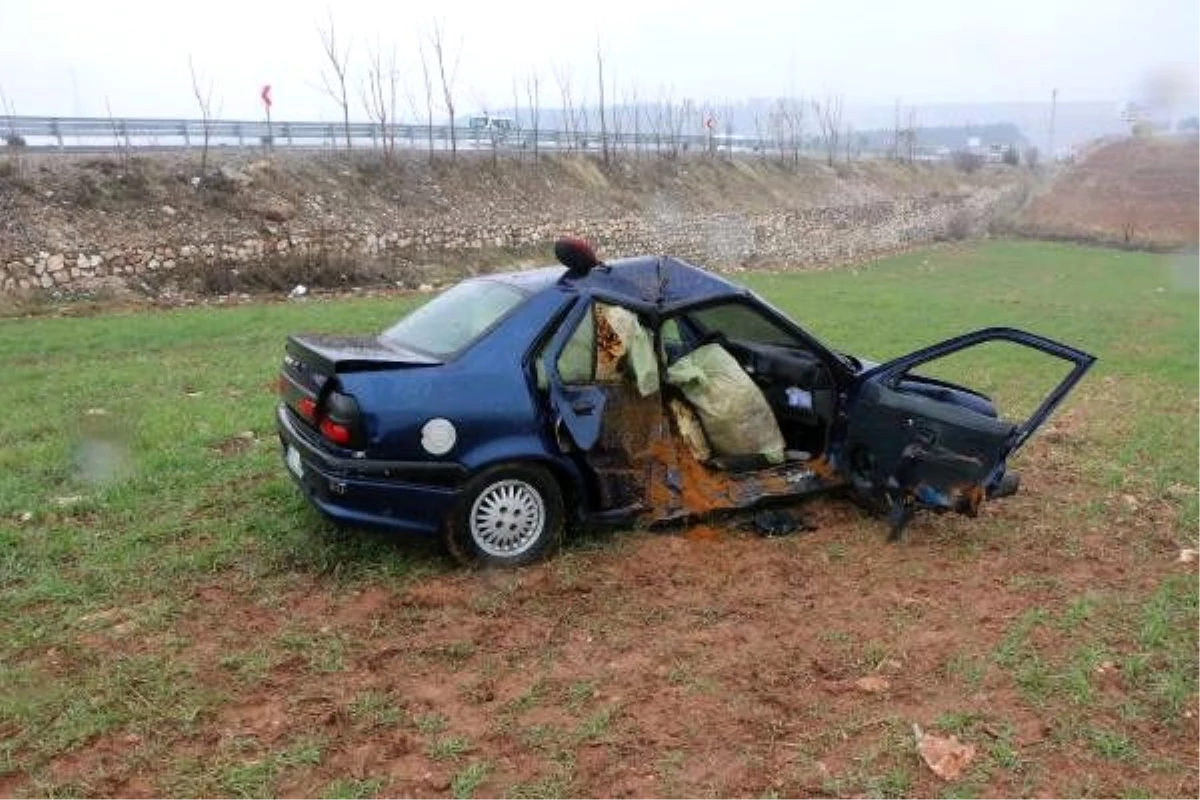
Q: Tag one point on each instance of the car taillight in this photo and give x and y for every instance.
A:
(307, 408)
(336, 432)
(339, 420)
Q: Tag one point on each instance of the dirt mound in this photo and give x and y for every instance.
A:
(1140, 192)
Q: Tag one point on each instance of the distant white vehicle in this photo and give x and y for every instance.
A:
(487, 122)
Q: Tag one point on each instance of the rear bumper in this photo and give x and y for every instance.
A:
(360, 493)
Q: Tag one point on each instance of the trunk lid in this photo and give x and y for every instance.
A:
(309, 385)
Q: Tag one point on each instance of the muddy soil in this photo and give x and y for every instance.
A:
(702, 662)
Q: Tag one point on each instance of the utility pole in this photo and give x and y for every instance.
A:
(1053, 109)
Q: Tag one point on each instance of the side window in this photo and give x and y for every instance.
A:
(739, 321)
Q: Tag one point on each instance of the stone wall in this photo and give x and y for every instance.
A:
(791, 238)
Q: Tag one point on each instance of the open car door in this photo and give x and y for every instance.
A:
(603, 389)
(916, 442)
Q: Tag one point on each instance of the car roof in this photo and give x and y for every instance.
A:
(636, 280)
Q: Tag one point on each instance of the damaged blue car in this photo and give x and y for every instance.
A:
(645, 390)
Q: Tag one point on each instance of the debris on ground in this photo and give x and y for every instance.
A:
(873, 684)
(1187, 555)
(946, 757)
(775, 522)
(299, 290)
(705, 533)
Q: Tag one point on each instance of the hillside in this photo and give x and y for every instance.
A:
(1140, 192)
(70, 222)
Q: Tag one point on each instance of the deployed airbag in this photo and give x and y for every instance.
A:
(735, 415)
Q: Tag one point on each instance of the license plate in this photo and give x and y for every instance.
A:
(293, 461)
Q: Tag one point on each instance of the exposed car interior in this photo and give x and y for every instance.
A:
(778, 390)
(797, 385)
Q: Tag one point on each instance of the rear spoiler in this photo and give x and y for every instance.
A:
(340, 354)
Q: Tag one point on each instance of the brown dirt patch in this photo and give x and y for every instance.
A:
(713, 663)
(1140, 192)
(237, 444)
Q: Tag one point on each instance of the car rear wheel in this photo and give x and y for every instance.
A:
(507, 516)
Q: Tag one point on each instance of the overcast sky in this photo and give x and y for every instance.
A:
(68, 57)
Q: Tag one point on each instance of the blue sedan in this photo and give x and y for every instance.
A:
(646, 390)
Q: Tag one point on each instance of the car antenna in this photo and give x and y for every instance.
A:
(577, 255)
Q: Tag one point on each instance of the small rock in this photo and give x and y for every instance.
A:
(235, 176)
(1187, 555)
(104, 617)
(68, 500)
(873, 684)
(275, 210)
(25, 516)
(947, 758)
(168, 210)
(299, 290)
(425, 287)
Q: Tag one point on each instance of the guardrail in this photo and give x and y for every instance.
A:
(70, 132)
(92, 134)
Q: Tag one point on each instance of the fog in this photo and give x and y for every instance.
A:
(130, 58)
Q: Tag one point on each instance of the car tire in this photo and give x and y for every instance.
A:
(507, 516)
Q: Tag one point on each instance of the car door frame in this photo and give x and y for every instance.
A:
(887, 377)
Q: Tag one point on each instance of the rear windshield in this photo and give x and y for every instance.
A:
(455, 319)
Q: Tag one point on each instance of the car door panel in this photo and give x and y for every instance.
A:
(942, 445)
(620, 437)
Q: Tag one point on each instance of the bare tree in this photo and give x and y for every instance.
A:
(829, 122)
(583, 121)
(532, 94)
(379, 98)
(562, 76)
(9, 111)
(727, 114)
(786, 124)
(780, 126)
(911, 134)
(334, 80)
(600, 84)
(14, 142)
(760, 135)
(427, 82)
(635, 110)
(793, 120)
(437, 40)
(204, 101)
(119, 132)
(895, 150)
(516, 97)
(668, 123)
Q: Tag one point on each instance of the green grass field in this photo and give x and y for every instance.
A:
(138, 463)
